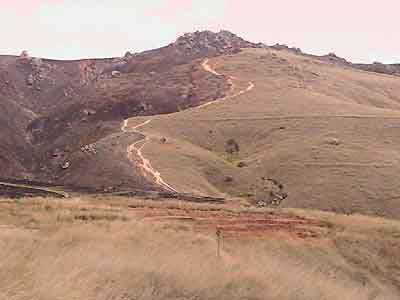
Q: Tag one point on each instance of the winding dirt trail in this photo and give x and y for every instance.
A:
(145, 164)
(206, 67)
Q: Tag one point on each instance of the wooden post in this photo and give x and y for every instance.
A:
(218, 242)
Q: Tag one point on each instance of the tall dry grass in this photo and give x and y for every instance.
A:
(47, 252)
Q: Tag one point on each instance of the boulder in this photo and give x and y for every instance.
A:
(24, 55)
(116, 74)
(88, 112)
(30, 80)
(128, 55)
(228, 179)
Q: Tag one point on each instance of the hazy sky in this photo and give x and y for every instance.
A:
(362, 31)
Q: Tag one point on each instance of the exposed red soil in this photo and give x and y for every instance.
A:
(230, 224)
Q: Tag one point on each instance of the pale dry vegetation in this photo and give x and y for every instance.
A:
(93, 248)
(327, 133)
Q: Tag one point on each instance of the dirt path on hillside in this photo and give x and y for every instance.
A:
(206, 67)
(144, 163)
(40, 189)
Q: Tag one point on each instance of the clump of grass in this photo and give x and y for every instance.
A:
(99, 216)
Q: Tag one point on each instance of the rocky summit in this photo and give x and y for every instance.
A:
(222, 42)
(211, 168)
(229, 116)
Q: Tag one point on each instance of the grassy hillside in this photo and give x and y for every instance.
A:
(325, 134)
(116, 248)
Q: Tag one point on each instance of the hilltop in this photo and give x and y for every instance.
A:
(211, 168)
(306, 131)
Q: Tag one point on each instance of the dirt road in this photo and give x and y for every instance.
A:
(206, 67)
(144, 163)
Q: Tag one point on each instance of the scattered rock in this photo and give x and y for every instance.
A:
(228, 179)
(271, 193)
(57, 153)
(37, 71)
(109, 189)
(163, 140)
(144, 106)
(377, 67)
(220, 42)
(332, 57)
(128, 55)
(36, 62)
(281, 47)
(89, 149)
(88, 112)
(65, 165)
(116, 74)
(68, 91)
(24, 55)
(30, 80)
(333, 141)
(88, 71)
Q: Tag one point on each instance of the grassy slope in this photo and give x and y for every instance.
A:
(326, 133)
(98, 249)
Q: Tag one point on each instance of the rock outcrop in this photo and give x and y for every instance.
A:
(377, 67)
(222, 42)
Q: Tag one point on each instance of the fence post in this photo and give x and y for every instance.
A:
(218, 233)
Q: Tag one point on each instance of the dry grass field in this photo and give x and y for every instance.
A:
(327, 134)
(212, 168)
(125, 249)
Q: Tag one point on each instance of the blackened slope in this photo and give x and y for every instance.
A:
(131, 94)
(51, 109)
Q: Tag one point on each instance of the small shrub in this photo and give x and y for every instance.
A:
(228, 179)
(232, 147)
(241, 164)
(333, 141)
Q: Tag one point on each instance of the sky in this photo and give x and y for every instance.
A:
(360, 31)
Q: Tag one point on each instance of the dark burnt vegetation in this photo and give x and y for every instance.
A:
(48, 105)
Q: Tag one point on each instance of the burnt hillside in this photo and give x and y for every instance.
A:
(50, 110)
